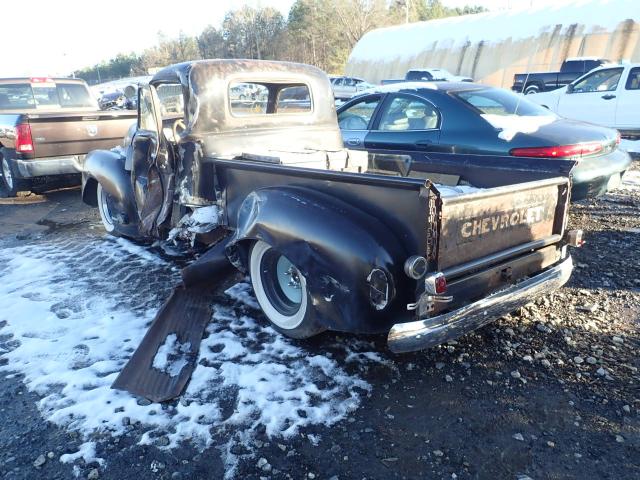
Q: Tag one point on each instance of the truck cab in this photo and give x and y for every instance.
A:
(47, 126)
(608, 95)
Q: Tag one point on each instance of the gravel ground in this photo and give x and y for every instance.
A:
(551, 391)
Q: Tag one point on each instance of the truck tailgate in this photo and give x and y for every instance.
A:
(497, 222)
(65, 134)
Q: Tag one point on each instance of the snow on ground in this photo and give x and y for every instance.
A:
(630, 180)
(171, 357)
(72, 313)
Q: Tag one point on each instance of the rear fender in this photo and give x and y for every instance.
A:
(336, 246)
(107, 168)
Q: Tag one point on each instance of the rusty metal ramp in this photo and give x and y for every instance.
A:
(162, 364)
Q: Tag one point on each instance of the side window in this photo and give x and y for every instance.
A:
(358, 116)
(408, 113)
(171, 100)
(600, 81)
(633, 82)
(146, 115)
(338, 82)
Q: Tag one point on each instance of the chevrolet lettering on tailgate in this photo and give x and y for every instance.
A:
(492, 223)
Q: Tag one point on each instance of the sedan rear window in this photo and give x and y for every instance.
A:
(494, 101)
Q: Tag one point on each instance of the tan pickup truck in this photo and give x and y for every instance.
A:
(48, 125)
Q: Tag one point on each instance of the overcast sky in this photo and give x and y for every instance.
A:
(45, 37)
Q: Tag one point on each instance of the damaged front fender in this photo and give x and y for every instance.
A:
(107, 168)
(336, 247)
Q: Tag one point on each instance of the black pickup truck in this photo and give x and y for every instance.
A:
(330, 241)
(571, 68)
(47, 126)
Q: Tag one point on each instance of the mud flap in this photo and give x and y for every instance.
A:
(185, 314)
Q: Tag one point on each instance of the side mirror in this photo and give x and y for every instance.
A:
(570, 88)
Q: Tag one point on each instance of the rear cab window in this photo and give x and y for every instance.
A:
(269, 98)
(45, 94)
(573, 66)
(16, 96)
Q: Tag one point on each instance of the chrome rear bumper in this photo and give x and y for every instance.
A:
(411, 336)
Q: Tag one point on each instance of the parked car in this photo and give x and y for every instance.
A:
(48, 125)
(571, 68)
(115, 100)
(346, 87)
(438, 121)
(329, 243)
(428, 75)
(609, 96)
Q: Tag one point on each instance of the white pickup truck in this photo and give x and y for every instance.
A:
(608, 95)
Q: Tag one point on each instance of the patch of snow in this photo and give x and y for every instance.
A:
(138, 251)
(171, 356)
(243, 293)
(75, 312)
(452, 191)
(87, 452)
(201, 220)
(511, 125)
(630, 180)
(411, 40)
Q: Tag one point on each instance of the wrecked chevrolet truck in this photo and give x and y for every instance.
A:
(248, 157)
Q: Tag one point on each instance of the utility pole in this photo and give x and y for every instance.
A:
(406, 11)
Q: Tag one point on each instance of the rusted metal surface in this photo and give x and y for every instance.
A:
(209, 118)
(185, 314)
(477, 225)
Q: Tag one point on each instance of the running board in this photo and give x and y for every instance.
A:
(185, 314)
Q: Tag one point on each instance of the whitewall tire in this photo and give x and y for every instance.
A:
(281, 291)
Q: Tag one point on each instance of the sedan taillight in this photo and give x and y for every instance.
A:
(562, 151)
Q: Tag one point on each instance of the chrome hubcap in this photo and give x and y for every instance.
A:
(104, 206)
(6, 173)
(289, 280)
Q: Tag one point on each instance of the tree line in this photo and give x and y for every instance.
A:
(317, 32)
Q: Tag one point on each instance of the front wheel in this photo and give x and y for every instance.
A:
(105, 208)
(531, 89)
(282, 292)
(11, 183)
